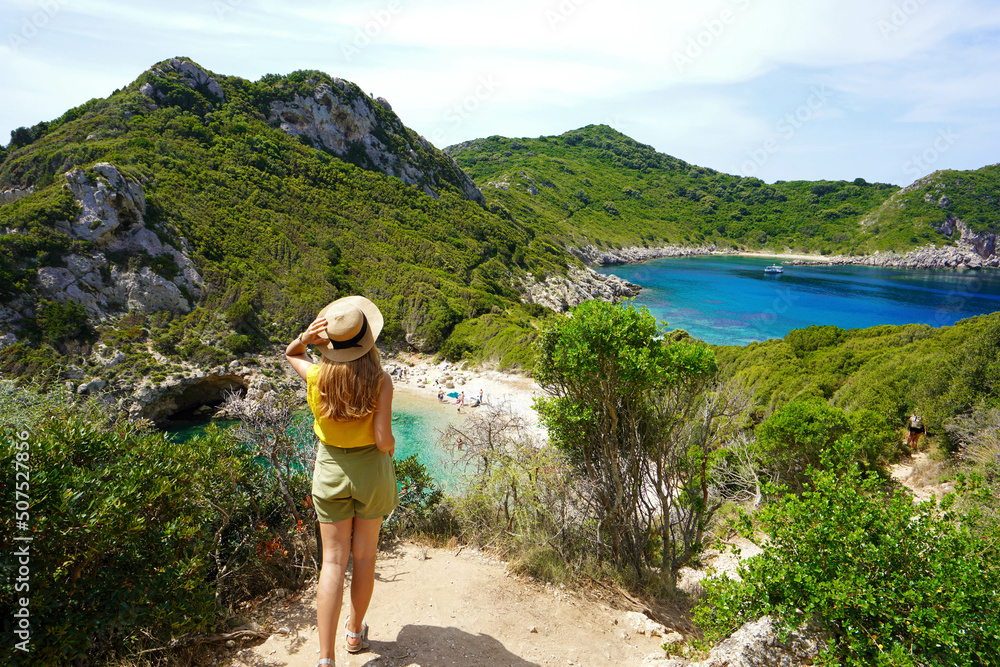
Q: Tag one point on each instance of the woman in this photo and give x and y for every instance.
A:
(354, 484)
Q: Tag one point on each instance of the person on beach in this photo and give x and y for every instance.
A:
(440, 395)
(461, 401)
(917, 429)
(354, 482)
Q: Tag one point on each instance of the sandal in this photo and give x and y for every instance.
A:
(325, 661)
(362, 638)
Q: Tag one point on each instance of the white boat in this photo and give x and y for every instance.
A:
(774, 268)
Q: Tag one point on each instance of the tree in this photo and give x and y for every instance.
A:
(695, 419)
(630, 411)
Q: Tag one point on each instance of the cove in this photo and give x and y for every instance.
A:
(417, 423)
(729, 300)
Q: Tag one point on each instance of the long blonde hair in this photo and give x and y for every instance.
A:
(348, 390)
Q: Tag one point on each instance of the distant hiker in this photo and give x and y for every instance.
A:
(917, 429)
(354, 483)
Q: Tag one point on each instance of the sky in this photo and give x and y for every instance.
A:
(885, 90)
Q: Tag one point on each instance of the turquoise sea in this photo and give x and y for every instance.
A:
(729, 300)
(417, 422)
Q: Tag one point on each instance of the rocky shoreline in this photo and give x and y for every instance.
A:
(972, 251)
(593, 256)
(560, 293)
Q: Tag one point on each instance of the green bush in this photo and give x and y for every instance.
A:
(897, 584)
(59, 323)
(419, 498)
(136, 537)
(796, 436)
(238, 343)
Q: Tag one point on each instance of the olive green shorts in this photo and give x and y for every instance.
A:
(355, 482)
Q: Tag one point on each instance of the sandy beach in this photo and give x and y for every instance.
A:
(423, 378)
(776, 255)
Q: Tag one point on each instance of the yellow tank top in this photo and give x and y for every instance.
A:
(346, 434)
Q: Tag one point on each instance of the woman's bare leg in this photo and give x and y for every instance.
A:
(330, 590)
(364, 546)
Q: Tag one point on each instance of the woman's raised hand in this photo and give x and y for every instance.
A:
(311, 336)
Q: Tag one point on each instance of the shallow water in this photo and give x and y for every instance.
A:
(729, 300)
(417, 423)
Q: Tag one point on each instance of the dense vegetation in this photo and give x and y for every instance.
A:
(597, 186)
(627, 410)
(277, 227)
(893, 583)
(907, 216)
(891, 370)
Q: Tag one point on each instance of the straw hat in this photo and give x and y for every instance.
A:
(352, 324)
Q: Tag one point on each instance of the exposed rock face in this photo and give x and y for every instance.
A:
(344, 120)
(560, 294)
(13, 194)
(973, 251)
(111, 218)
(189, 74)
(634, 254)
(758, 644)
(164, 402)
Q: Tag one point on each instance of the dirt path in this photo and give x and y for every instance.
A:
(434, 607)
(917, 474)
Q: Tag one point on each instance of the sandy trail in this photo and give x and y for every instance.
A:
(438, 607)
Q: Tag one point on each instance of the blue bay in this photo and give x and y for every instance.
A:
(729, 300)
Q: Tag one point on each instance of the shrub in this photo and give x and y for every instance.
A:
(419, 499)
(896, 584)
(136, 537)
(59, 323)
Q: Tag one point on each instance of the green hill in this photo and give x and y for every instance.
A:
(597, 186)
(277, 222)
(243, 207)
(931, 207)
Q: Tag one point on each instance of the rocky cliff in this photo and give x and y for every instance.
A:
(973, 250)
(582, 284)
(186, 73)
(121, 264)
(341, 118)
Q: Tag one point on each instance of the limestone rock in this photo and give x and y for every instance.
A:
(643, 625)
(758, 644)
(92, 386)
(113, 202)
(343, 119)
(634, 254)
(13, 194)
(189, 74)
(112, 210)
(160, 403)
(562, 293)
